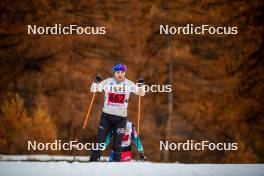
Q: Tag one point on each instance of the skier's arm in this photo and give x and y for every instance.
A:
(136, 89)
(136, 139)
(98, 87)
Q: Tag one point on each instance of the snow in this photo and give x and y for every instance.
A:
(45, 158)
(63, 168)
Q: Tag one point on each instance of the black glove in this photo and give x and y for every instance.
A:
(98, 79)
(142, 156)
(141, 82)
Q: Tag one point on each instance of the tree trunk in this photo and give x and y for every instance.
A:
(170, 111)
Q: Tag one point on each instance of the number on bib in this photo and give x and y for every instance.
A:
(116, 98)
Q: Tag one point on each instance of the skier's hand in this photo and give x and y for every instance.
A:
(141, 81)
(143, 156)
(98, 79)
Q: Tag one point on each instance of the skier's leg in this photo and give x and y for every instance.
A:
(111, 157)
(104, 128)
(126, 156)
(118, 133)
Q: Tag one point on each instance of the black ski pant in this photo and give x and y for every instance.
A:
(108, 124)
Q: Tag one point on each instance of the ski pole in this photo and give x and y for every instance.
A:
(88, 112)
(138, 119)
(85, 122)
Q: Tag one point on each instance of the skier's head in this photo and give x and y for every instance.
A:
(119, 71)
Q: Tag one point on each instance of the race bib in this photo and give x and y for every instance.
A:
(116, 98)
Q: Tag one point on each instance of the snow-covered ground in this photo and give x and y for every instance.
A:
(45, 158)
(64, 168)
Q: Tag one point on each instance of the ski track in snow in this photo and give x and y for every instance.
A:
(15, 168)
(46, 165)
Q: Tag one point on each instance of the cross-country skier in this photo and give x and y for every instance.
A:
(130, 134)
(114, 115)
